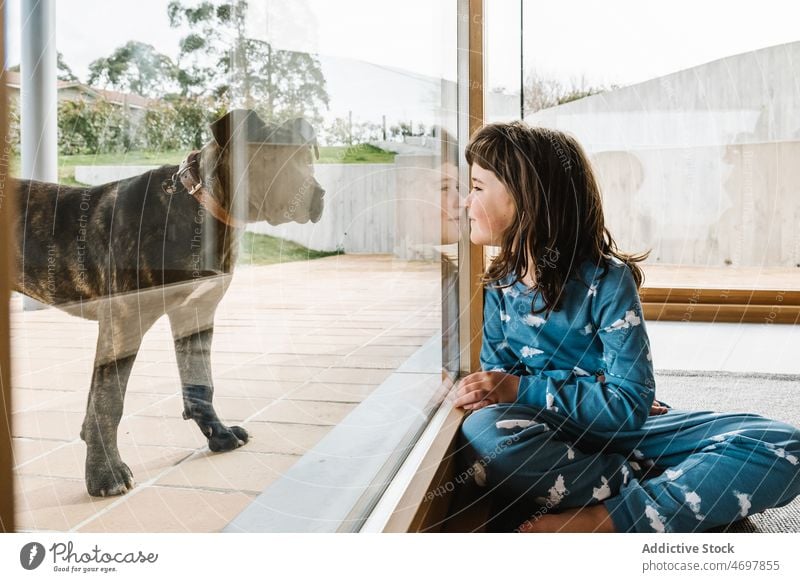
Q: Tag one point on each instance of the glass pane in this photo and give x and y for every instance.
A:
(258, 204)
(691, 130)
(503, 60)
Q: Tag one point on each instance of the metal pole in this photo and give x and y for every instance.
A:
(39, 97)
(39, 92)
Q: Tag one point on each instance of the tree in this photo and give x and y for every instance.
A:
(218, 58)
(342, 132)
(135, 67)
(542, 92)
(93, 127)
(63, 70)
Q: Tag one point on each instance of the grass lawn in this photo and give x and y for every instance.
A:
(256, 249)
(261, 249)
(357, 154)
(66, 164)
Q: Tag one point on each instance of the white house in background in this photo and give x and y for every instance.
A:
(699, 165)
(75, 91)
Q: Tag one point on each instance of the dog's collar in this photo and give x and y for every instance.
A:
(189, 175)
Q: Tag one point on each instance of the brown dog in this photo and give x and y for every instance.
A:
(127, 252)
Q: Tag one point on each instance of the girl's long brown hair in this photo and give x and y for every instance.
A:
(559, 222)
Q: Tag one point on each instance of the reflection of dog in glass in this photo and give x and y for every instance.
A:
(127, 252)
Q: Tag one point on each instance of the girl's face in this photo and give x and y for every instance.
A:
(490, 207)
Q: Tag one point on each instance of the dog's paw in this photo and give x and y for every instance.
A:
(227, 439)
(105, 479)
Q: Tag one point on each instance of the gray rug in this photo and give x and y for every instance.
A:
(777, 398)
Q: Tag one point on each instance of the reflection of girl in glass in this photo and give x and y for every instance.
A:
(564, 424)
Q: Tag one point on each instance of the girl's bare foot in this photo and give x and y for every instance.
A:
(594, 518)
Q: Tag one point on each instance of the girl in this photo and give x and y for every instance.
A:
(564, 422)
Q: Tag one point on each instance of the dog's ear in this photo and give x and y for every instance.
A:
(238, 124)
(303, 132)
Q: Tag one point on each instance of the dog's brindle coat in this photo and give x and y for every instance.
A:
(127, 252)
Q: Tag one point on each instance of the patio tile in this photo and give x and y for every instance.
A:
(53, 504)
(27, 365)
(356, 360)
(135, 402)
(68, 462)
(161, 432)
(168, 384)
(330, 392)
(301, 360)
(314, 348)
(24, 399)
(228, 409)
(380, 349)
(235, 470)
(404, 340)
(50, 380)
(162, 371)
(293, 367)
(272, 373)
(244, 388)
(47, 424)
(168, 509)
(306, 412)
(27, 449)
(279, 437)
(352, 376)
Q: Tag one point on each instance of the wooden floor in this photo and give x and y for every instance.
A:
(712, 293)
(748, 278)
(296, 348)
(743, 294)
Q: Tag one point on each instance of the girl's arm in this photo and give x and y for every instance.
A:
(499, 380)
(622, 399)
(496, 355)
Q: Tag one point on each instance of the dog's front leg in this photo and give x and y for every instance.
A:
(192, 337)
(118, 343)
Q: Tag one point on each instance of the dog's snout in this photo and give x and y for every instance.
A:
(317, 204)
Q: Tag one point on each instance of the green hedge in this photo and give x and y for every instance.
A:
(100, 127)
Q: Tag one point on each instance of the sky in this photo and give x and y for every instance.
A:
(411, 36)
(611, 42)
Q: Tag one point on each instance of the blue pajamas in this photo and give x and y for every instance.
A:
(719, 467)
(579, 432)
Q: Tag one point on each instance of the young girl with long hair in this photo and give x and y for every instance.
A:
(564, 426)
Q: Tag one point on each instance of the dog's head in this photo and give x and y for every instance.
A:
(262, 171)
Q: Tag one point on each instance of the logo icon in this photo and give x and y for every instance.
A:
(32, 555)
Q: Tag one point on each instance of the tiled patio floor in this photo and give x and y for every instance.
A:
(296, 347)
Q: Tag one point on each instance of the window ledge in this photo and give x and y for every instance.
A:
(333, 487)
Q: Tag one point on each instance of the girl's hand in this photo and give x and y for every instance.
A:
(658, 408)
(484, 388)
